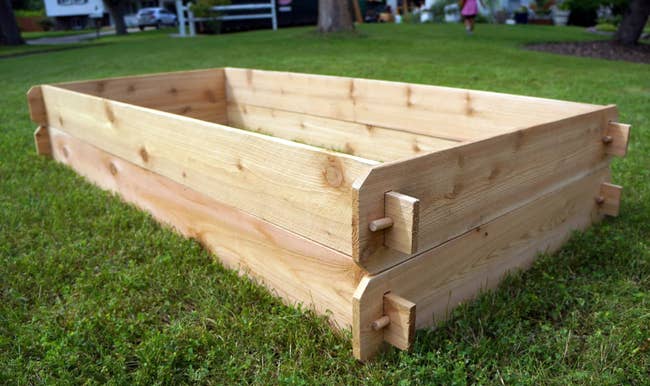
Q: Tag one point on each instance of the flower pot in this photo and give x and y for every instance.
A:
(560, 17)
(541, 21)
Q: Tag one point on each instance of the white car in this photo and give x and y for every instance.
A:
(155, 17)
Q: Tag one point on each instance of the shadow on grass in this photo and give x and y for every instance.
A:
(48, 50)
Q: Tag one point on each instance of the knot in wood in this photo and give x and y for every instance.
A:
(333, 176)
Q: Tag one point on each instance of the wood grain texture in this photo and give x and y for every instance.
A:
(301, 188)
(400, 332)
(368, 141)
(611, 195)
(198, 94)
(405, 212)
(439, 279)
(296, 269)
(443, 112)
(42, 141)
(620, 136)
(463, 187)
(37, 111)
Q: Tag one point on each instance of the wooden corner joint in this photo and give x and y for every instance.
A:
(397, 322)
(609, 199)
(36, 103)
(616, 138)
(42, 141)
(400, 222)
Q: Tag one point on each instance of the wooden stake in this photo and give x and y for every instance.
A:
(400, 332)
(609, 199)
(616, 138)
(405, 213)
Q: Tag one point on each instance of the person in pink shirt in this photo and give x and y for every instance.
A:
(468, 11)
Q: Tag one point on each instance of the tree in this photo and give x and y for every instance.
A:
(334, 16)
(117, 8)
(634, 20)
(9, 31)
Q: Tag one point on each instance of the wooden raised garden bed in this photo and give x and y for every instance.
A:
(380, 204)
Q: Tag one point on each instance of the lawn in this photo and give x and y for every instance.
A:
(94, 291)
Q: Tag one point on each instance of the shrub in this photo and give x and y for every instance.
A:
(438, 9)
(202, 9)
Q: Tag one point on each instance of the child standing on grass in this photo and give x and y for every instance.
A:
(469, 9)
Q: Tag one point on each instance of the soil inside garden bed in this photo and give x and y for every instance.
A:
(603, 49)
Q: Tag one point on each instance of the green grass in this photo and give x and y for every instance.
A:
(94, 291)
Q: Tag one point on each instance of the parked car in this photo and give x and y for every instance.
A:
(155, 17)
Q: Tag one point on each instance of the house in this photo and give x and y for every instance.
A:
(74, 14)
(79, 14)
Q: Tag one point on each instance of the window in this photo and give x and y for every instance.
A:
(71, 2)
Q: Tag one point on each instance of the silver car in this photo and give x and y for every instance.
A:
(155, 17)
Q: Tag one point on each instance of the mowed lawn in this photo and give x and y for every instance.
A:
(94, 291)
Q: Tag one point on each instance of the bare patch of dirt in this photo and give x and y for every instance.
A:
(602, 49)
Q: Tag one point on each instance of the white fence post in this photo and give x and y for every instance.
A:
(274, 15)
(190, 17)
(180, 12)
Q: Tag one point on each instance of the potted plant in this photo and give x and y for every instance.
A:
(521, 15)
(542, 12)
(561, 13)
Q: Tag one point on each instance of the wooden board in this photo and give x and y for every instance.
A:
(609, 199)
(297, 269)
(617, 137)
(463, 187)
(404, 212)
(401, 312)
(443, 112)
(198, 94)
(301, 188)
(367, 141)
(36, 106)
(439, 279)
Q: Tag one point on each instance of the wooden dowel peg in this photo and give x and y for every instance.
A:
(607, 139)
(600, 200)
(381, 223)
(380, 323)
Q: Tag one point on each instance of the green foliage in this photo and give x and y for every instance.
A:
(584, 12)
(93, 291)
(202, 9)
(606, 27)
(30, 5)
(29, 13)
(46, 23)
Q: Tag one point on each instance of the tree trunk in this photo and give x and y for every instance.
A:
(116, 7)
(9, 32)
(634, 19)
(334, 16)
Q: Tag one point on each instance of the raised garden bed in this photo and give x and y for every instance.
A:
(382, 205)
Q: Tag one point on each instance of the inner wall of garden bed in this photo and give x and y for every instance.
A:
(283, 175)
(349, 126)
